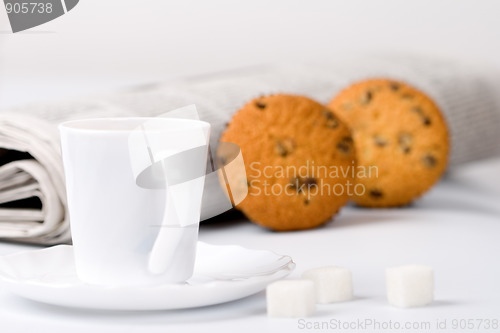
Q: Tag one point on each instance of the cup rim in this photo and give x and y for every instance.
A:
(74, 125)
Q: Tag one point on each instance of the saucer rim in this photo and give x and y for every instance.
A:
(242, 287)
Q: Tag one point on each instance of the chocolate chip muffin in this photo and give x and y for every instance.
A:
(401, 140)
(299, 160)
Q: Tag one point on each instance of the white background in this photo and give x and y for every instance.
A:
(103, 45)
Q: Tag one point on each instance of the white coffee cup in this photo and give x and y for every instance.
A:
(134, 189)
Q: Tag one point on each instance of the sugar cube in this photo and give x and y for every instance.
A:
(290, 298)
(332, 283)
(410, 286)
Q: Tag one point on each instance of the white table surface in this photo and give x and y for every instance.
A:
(455, 228)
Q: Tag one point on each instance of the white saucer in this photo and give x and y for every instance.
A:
(222, 274)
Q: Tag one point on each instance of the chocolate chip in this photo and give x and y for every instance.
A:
(280, 149)
(345, 145)
(226, 124)
(306, 202)
(310, 182)
(366, 98)
(331, 120)
(405, 141)
(429, 161)
(261, 105)
(328, 114)
(417, 109)
(426, 121)
(332, 123)
(379, 141)
(300, 184)
(376, 194)
(394, 86)
(296, 184)
(285, 147)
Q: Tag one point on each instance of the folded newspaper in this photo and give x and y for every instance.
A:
(32, 191)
